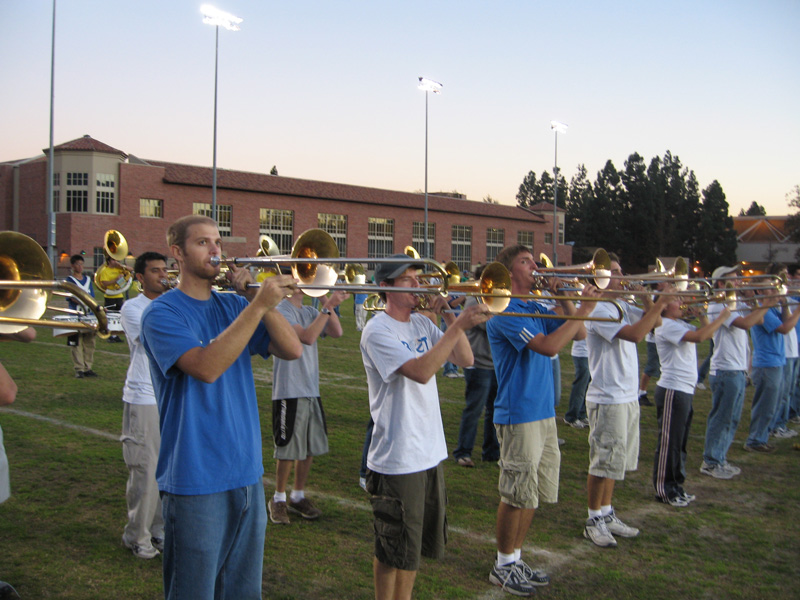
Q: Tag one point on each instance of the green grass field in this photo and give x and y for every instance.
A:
(60, 531)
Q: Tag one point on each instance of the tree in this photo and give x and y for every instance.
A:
(755, 210)
(489, 200)
(526, 196)
(579, 202)
(273, 170)
(793, 222)
(717, 245)
(638, 215)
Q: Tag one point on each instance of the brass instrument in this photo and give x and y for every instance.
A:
(114, 246)
(598, 269)
(26, 276)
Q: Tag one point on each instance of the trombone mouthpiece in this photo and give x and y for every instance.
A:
(215, 261)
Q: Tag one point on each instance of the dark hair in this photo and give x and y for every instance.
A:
(176, 234)
(389, 282)
(479, 271)
(509, 253)
(612, 256)
(141, 261)
(75, 258)
(793, 268)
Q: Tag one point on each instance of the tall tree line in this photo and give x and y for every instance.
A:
(641, 212)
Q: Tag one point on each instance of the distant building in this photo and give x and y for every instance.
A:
(98, 187)
(762, 240)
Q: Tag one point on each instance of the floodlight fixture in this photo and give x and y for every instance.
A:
(429, 85)
(559, 127)
(219, 18)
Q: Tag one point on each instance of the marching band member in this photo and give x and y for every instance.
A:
(82, 342)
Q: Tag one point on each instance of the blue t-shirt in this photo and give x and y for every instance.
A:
(210, 432)
(768, 345)
(524, 377)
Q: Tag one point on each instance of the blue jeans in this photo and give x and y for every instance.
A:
(577, 395)
(768, 382)
(781, 416)
(480, 392)
(706, 365)
(794, 407)
(362, 472)
(214, 544)
(556, 362)
(727, 400)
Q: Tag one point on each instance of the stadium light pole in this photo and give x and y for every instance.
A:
(427, 85)
(51, 214)
(557, 127)
(214, 16)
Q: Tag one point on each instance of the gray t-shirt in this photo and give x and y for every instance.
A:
(297, 378)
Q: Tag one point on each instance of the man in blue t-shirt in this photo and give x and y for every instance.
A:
(524, 414)
(209, 471)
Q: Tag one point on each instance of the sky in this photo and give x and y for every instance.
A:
(327, 90)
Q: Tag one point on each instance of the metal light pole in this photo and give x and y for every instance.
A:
(216, 17)
(558, 128)
(51, 215)
(427, 85)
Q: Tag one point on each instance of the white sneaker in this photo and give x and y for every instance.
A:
(733, 469)
(716, 471)
(617, 527)
(781, 434)
(597, 531)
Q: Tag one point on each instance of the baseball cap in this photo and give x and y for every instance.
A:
(391, 270)
(723, 271)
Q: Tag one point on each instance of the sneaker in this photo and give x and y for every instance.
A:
(644, 400)
(688, 497)
(677, 501)
(89, 373)
(585, 421)
(701, 386)
(158, 543)
(597, 531)
(140, 551)
(792, 432)
(617, 527)
(732, 469)
(510, 578)
(795, 419)
(79, 375)
(362, 481)
(716, 471)
(305, 509)
(781, 434)
(278, 512)
(762, 448)
(533, 576)
(577, 424)
(465, 461)
(451, 375)
(7, 591)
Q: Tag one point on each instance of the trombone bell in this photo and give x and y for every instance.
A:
(314, 244)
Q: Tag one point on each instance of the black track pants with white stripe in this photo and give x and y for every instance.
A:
(674, 410)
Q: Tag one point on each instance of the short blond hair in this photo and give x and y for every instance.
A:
(176, 234)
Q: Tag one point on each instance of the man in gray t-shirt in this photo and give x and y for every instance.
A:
(298, 420)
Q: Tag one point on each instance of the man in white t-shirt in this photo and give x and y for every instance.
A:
(141, 438)
(402, 350)
(676, 341)
(612, 405)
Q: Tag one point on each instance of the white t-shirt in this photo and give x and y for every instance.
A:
(678, 358)
(408, 436)
(613, 362)
(579, 349)
(730, 343)
(138, 387)
(790, 339)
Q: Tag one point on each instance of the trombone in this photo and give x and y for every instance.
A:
(26, 276)
(598, 269)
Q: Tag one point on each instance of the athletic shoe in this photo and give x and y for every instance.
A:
(451, 375)
(597, 531)
(362, 481)
(577, 424)
(688, 497)
(617, 527)
(716, 471)
(781, 434)
(7, 591)
(511, 579)
(79, 375)
(762, 448)
(89, 373)
(644, 400)
(795, 419)
(792, 432)
(677, 501)
(158, 543)
(305, 509)
(585, 421)
(465, 461)
(140, 551)
(278, 513)
(732, 469)
(533, 576)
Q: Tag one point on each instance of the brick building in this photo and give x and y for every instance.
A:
(97, 187)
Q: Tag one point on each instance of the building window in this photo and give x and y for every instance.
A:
(78, 179)
(105, 201)
(336, 225)
(224, 215)
(418, 238)
(77, 200)
(525, 238)
(279, 225)
(56, 200)
(380, 238)
(151, 208)
(495, 240)
(98, 257)
(105, 180)
(548, 238)
(560, 232)
(461, 246)
(56, 179)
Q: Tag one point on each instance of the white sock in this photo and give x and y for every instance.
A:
(517, 554)
(595, 513)
(504, 559)
(279, 497)
(297, 495)
(606, 510)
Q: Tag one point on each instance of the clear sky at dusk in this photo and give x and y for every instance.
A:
(326, 89)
